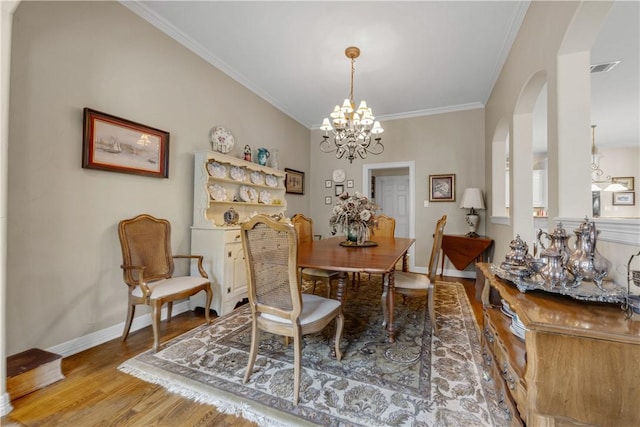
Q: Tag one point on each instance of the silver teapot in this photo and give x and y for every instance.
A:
(557, 240)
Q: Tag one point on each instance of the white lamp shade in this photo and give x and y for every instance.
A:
(346, 106)
(336, 112)
(472, 199)
(376, 129)
(326, 126)
(615, 187)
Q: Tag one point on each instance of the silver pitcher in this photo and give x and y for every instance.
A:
(586, 263)
(554, 272)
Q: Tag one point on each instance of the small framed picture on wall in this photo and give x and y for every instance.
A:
(339, 189)
(349, 183)
(327, 200)
(442, 188)
(328, 183)
(624, 198)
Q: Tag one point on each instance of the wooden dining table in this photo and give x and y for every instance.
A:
(328, 254)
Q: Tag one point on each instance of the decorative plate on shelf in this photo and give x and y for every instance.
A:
(271, 181)
(221, 139)
(265, 197)
(237, 173)
(216, 169)
(217, 192)
(257, 178)
(248, 194)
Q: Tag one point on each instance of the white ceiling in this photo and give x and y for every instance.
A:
(416, 58)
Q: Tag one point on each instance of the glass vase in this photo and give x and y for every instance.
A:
(352, 234)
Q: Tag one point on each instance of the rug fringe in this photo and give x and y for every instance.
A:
(239, 409)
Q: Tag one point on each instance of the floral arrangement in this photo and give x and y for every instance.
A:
(353, 214)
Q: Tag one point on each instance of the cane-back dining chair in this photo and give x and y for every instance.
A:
(420, 285)
(147, 264)
(277, 304)
(304, 228)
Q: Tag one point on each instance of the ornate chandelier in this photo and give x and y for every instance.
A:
(598, 177)
(355, 131)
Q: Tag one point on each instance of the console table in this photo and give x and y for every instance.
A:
(578, 362)
(463, 250)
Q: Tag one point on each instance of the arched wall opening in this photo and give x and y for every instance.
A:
(500, 176)
(521, 154)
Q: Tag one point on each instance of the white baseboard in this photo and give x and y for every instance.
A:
(6, 404)
(93, 339)
(465, 274)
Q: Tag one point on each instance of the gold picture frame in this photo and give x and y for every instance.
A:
(627, 181)
(294, 181)
(118, 145)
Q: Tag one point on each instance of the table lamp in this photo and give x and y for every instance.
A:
(472, 199)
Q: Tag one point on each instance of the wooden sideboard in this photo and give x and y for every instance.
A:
(579, 363)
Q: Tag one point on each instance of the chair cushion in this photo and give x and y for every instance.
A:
(314, 307)
(318, 272)
(411, 280)
(171, 286)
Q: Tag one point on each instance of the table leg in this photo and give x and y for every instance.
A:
(389, 280)
(342, 285)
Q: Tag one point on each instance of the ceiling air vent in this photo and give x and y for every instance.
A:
(603, 68)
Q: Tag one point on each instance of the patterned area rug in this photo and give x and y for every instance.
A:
(420, 380)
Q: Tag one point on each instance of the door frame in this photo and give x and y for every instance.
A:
(366, 190)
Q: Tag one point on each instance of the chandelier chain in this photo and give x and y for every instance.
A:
(353, 71)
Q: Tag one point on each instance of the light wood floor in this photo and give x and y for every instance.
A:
(95, 393)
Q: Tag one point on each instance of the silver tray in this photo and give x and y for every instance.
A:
(586, 291)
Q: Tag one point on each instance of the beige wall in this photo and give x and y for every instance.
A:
(438, 144)
(63, 275)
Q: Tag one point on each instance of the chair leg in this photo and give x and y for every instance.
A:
(169, 310)
(208, 305)
(156, 310)
(127, 324)
(253, 350)
(297, 362)
(432, 310)
(339, 326)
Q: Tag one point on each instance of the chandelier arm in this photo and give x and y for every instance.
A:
(374, 149)
(325, 145)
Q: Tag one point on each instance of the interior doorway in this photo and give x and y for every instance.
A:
(394, 173)
(392, 195)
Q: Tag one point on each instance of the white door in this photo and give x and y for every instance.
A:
(392, 195)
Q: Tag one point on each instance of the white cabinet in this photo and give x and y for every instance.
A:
(219, 244)
(540, 188)
(224, 263)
